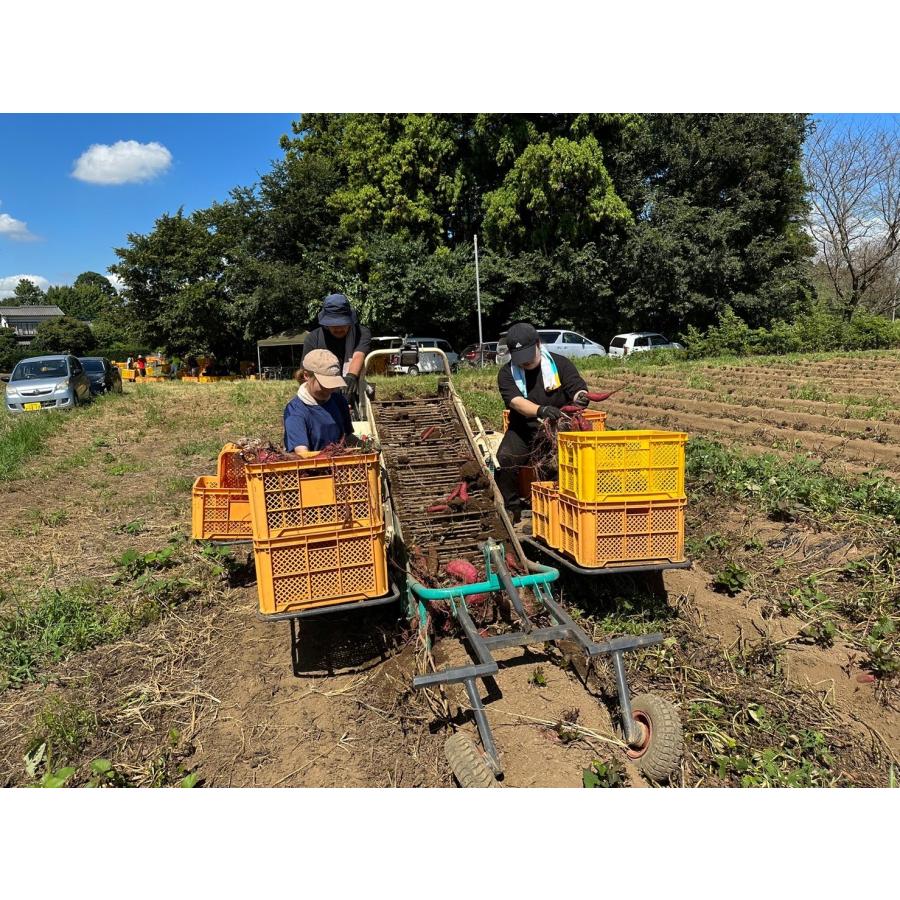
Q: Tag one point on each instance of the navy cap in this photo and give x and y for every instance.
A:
(336, 310)
(521, 340)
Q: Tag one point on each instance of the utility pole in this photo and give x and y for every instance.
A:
(478, 300)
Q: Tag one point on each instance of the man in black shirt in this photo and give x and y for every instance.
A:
(340, 333)
(534, 384)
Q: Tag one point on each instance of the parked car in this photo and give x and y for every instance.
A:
(640, 342)
(379, 365)
(477, 355)
(47, 382)
(557, 340)
(104, 376)
(389, 342)
(570, 343)
(428, 362)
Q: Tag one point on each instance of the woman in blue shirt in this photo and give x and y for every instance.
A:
(319, 415)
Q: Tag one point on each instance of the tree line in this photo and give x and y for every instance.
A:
(598, 222)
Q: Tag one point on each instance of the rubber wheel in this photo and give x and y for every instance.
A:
(413, 370)
(660, 756)
(468, 763)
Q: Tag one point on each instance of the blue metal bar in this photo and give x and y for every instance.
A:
(546, 575)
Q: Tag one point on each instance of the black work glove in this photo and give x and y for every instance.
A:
(581, 399)
(549, 412)
(352, 385)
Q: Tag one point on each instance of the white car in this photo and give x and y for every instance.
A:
(640, 342)
(428, 362)
(569, 343)
(557, 340)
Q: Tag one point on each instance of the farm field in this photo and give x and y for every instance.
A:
(121, 641)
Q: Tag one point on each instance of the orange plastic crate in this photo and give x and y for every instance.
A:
(545, 512)
(619, 466)
(302, 496)
(596, 417)
(341, 566)
(231, 468)
(601, 535)
(217, 513)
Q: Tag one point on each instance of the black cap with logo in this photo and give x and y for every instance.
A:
(521, 340)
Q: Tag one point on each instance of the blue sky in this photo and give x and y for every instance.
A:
(55, 226)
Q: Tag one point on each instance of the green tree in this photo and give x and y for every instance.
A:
(27, 293)
(10, 351)
(175, 286)
(63, 335)
(90, 298)
(719, 223)
(556, 191)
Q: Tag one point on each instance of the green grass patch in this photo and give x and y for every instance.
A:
(784, 488)
(53, 625)
(23, 437)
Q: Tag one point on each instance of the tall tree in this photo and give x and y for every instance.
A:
(720, 222)
(854, 216)
(27, 293)
(174, 278)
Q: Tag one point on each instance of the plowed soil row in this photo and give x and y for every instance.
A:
(835, 412)
(862, 429)
(867, 452)
(758, 380)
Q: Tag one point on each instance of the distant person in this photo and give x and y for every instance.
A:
(130, 362)
(534, 384)
(192, 367)
(141, 366)
(340, 333)
(319, 415)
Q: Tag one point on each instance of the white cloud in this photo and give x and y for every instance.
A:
(116, 282)
(14, 229)
(8, 284)
(122, 163)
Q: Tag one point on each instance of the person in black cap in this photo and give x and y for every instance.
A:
(534, 384)
(340, 333)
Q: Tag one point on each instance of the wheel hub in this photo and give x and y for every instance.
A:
(645, 735)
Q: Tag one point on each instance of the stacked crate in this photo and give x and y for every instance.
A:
(220, 508)
(318, 531)
(621, 498)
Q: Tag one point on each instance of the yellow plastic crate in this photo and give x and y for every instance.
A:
(545, 512)
(128, 374)
(596, 417)
(601, 535)
(615, 466)
(341, 566)
(301, 496)
(219, 513)
(231, 468)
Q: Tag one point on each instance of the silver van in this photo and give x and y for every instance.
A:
(47, 382)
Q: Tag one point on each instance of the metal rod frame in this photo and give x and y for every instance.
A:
(571, 566)
(564, 628)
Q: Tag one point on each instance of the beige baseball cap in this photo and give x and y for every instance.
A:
(325, 366)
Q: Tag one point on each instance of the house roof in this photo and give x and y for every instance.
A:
(30, 312)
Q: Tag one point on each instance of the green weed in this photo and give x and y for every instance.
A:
(61, 729)
(57, 623)
(538, 677)
(731, 580)
(604, 774)
(809, 391)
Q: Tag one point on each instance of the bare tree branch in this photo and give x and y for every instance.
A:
(853, 175)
